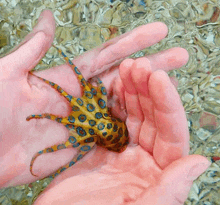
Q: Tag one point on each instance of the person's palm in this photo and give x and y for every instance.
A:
(153, 169)
(142, 96)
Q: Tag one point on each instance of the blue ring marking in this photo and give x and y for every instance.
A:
(103, 91)
(70, 127)
(106, 114)
(80, 131)
(98, 115)
(79, 101)
(72, 139)
(115, 128)
(92, 123)
(113, 119)
(48, 117)
(88, 94)
(56, 174)
(51, 83)
(90, 107)
(109, 125)
(69, 97)
(83, 82)
(102, 103)
(76, 145)
(90, 139)
(79, 157)
(62, 169)
(100, 126)
(94, 91)
(41, 152)
(82, 118)
(77, 71)
(109, 137)
(85, 148)
(59, 89)
(58, 119)
(91, 132)
(71, 119)
(70, 62)
(104, 134)
(71, 163)
(75, 108)
(63, 54)
(49, 150)
(61, 146)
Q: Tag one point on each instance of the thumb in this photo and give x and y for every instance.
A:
(27, 54)
(176, 181)
(24, 58)
(178, 176)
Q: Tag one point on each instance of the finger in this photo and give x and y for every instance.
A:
(125, 74)
(140, 76)
(122, 46)
(135, 115)
(172, 139)
(166, 60)
(45, 24)
(24, 58)
(116, 100)
(169, 59)
(119, 92)
(182, 173)
(174, 185)
(131, 42)
(32, 49)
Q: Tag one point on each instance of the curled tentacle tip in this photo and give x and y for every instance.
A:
(33, 174)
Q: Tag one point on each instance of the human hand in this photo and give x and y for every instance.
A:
(22, 139)
(155, 168)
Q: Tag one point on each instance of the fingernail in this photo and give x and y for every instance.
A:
(197, 170)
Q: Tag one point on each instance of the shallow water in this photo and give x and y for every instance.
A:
(83, 25)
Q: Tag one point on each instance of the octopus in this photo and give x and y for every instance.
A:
(89, 122)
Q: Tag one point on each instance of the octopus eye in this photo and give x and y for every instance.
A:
(103, 91)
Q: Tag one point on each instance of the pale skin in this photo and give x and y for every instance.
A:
(154, 168)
